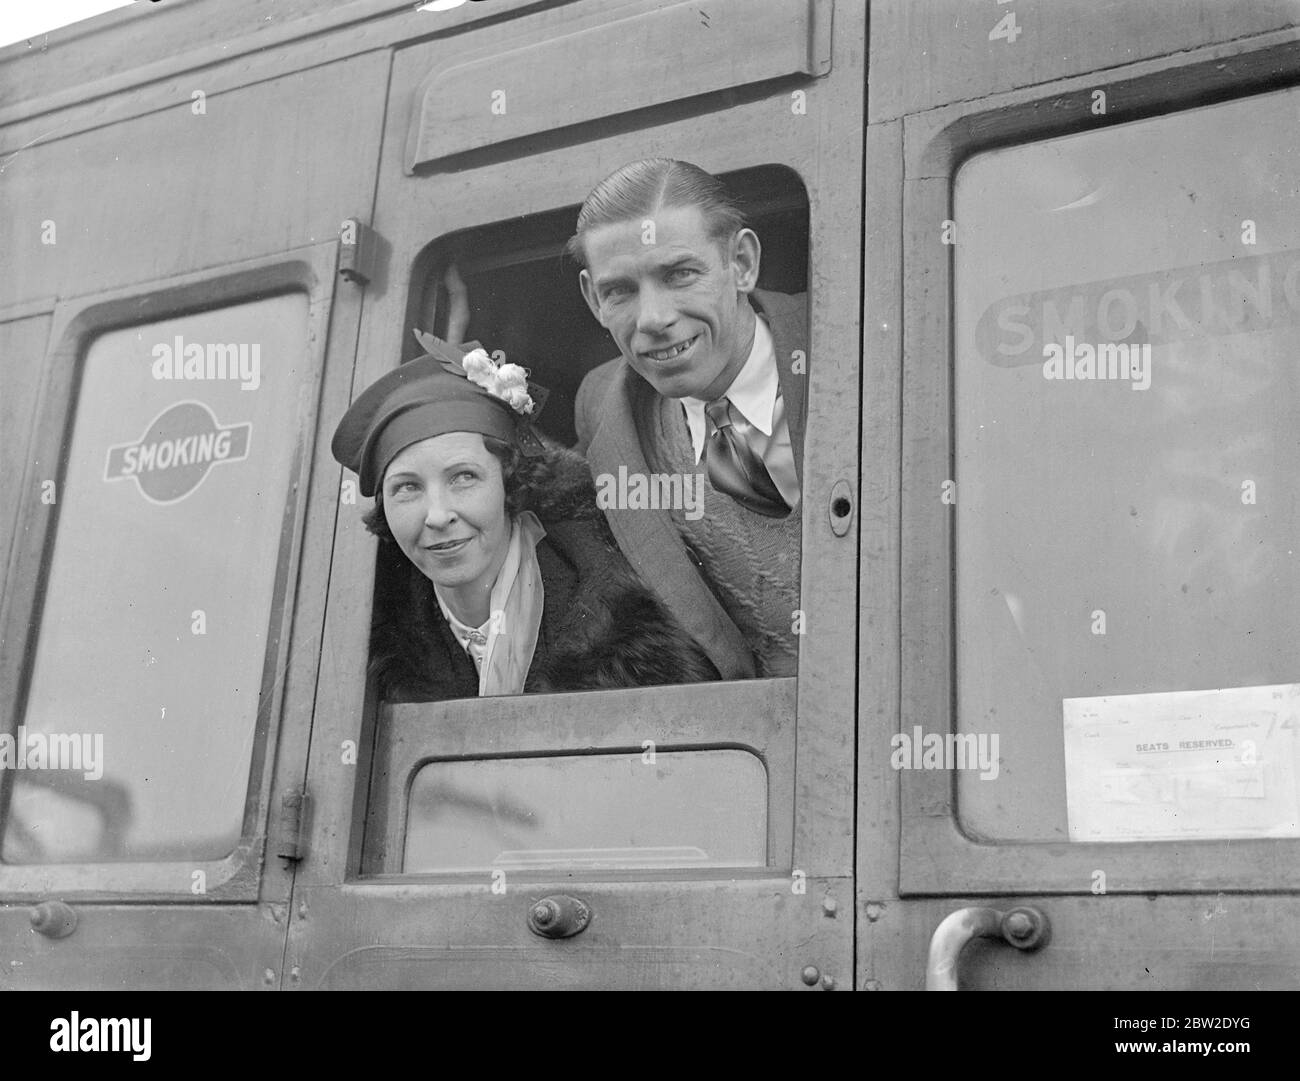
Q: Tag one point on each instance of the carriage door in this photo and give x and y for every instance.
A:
(677, 837)
(1100, 690)
(159, 442)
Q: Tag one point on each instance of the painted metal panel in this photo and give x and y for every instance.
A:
(22, 347)
(135, 947)
(616, 66)
(938, 52)
(255, 173)
(1208, 942)
(151, 53)
(733, 934)
(877, 825)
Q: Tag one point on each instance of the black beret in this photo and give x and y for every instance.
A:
(415, 401)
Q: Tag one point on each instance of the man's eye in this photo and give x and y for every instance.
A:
(616, 292)
(682, 274)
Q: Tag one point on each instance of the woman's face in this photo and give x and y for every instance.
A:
(445, 501)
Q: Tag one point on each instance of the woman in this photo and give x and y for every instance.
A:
(508, 579)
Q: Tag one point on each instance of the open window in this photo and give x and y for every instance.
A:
(494, 786)
(522, 290)
(510, 286)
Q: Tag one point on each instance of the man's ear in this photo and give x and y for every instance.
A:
(589, 295)
(746, 253)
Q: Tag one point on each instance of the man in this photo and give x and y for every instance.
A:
(711, 382)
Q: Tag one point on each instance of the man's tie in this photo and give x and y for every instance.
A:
(734, 468)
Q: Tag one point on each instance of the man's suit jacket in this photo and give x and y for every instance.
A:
(609, 399)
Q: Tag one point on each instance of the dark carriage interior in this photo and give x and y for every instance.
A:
(523, 289)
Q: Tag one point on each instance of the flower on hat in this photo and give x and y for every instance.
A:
(509, 382)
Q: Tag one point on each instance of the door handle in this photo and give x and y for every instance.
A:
(1024, 928)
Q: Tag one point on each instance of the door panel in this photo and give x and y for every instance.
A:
(181, 627)
(1092, 601)
(134, 818)
(363, 920)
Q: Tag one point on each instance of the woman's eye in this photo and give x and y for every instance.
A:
(465, 476)
(403, 488)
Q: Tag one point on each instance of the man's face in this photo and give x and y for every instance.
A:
(677, 308)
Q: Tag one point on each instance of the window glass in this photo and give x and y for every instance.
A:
(1126, 522)
(148, 678)
(683, 809)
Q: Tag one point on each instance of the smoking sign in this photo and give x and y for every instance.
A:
(179, 446)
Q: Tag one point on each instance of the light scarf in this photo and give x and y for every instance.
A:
(516, 619)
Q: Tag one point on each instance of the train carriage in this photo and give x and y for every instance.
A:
(1042, 732)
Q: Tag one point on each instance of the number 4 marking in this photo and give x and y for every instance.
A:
(1006, 28)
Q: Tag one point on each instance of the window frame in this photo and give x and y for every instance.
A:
(76, 323)
(821, 824)
(936, 856)
(762, 726)
(791, 828)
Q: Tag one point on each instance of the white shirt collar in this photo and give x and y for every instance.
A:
(473, 640)
(753, 392)
(479, 641)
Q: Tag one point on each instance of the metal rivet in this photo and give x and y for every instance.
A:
(1019, 925)
(544, 913)
(810, 975)
(302, 910)
(268, 976)
(295, 974)
(871, 985)
(829, 906)
(53, 919)
(875, 911)
(828, 982)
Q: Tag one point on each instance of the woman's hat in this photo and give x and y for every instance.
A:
(426, 397)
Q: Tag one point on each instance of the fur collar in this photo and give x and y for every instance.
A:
(560, 488)
(602, 626)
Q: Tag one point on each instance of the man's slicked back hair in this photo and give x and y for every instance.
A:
(641, 188)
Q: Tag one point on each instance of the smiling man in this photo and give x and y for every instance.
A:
(706, 384)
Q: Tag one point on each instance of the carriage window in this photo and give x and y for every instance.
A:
(690, 809)
(1127, 552)
(148, 692)
(511, 288)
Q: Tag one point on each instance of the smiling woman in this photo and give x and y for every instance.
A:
(444, 502)
(508, 579)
